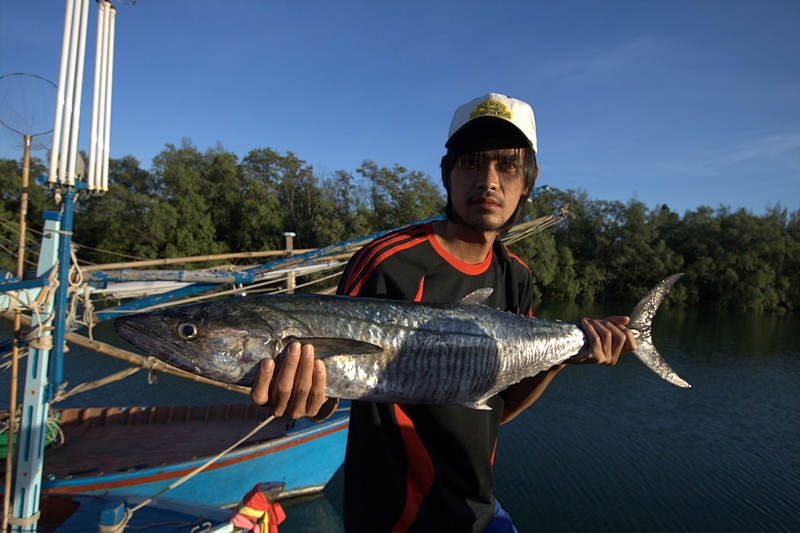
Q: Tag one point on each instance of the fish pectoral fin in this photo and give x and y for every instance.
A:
(328, 346)
(478, 296)
(480, 406)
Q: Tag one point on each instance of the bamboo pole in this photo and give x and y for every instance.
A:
(291, 281)
(12, 401)
(193, 259)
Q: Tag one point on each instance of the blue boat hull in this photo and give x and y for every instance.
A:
(304, 459)
(163, 515)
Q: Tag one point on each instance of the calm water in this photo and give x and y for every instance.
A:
(607, 448)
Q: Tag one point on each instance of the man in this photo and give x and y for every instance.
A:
(429, 467)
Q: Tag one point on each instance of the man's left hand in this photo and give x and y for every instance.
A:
(607, 339)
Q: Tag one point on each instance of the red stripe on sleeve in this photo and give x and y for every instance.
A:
(380, 248)
(518, 260)
(367, 265)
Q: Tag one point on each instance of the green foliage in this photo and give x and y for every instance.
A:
(398, 196)
(10, 202)
(194, 203)
(610, 250)
(114, 221)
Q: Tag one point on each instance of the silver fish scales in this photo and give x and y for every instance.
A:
(378, 350)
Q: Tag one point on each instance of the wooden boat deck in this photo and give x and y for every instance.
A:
(118, 439)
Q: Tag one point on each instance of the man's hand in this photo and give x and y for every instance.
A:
(298, 388)
(608, 338)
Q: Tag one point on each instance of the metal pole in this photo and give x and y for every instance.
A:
(60, 300)
(30, 440)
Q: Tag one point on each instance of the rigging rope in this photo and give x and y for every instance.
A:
(62, 394)
(128, 514)
(39, 337)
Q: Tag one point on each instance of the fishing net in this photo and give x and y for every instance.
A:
(27, 107)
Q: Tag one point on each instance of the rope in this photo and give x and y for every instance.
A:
(78, 292)
(37, 337)
(88, 310)
(22, 522)
(176, 524)
(205, 525)
(117, 528)
(63, 394)
(52, 426)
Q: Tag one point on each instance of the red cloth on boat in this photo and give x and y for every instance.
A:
(257, 514)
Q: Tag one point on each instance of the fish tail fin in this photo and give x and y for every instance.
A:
(641, 322)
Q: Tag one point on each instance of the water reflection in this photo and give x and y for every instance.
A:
(616, 449)
(609, 449)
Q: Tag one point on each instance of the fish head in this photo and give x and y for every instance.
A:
(217, 340)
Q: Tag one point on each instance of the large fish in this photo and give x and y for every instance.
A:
(378, 350)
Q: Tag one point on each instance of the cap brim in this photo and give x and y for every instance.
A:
(481, 132)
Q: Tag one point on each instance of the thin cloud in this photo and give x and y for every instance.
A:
(772, 147)
(605, 64)
(769, 152)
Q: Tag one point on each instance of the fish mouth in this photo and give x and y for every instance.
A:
(125, 329)
(164, 351)
(134, 336)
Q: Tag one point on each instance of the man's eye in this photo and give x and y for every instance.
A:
(469, 162)
(507, 167)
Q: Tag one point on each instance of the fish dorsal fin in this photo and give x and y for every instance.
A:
(476, 297)
(328, 346)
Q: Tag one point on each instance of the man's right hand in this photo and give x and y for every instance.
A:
(298, 388)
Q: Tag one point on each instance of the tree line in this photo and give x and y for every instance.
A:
(198, 203)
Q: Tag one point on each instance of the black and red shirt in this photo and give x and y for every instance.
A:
(425, 467)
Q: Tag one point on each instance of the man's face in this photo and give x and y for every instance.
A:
(486, 187)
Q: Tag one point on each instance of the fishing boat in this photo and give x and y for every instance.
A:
(144, 450)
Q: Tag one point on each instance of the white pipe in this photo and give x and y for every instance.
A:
(101, 99)
(68, 100)
(109, 80)
(76, 108)
(94, 138)
(62, 75)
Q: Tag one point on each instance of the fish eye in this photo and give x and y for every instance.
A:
(187, 331)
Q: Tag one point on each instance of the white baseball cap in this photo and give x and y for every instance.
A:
(495, 106)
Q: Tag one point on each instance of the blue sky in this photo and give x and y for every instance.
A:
(688, 104)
